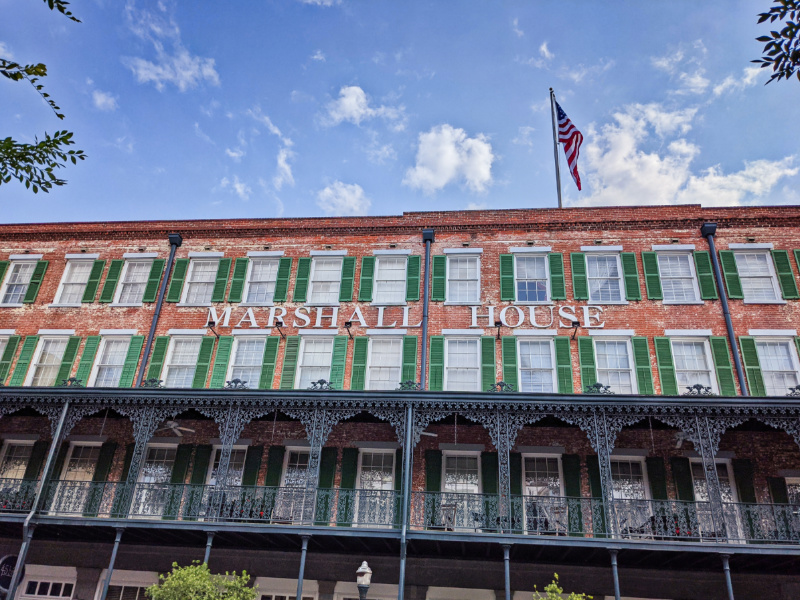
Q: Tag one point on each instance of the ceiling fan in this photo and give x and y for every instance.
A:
(175, 428)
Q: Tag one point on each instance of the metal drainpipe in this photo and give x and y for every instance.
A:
(708, 230)
(110, 570)
(175, 241)
(507, 569)
(428, 238)
(407, 462)
(301, 575)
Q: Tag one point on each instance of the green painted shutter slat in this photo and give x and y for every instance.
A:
(24, 360)
(657, 474)
(203, 362)
(301, 280)
(252, 464)
(112, 278)
(282, 282)
(783, 269)
(239, 276)
(87, 359)
(8, 357)
(652, 278)
(641, 358)
(730, 273)
(175, 290)
(61, 457)
(290, 355)
(338, 358)
(4, 264)
(153, 280)
(507, 286)
(90, 291)
(571, 465)
(586, 361)
(563, 364)
(36, 460)
(274, 466)
(438, 278)
(220, 371)
(796, 259)
(223, 270)
(68, 359)
(409, 369)
(348, 278)
(413, 269)
(180, 468)
(97, 488)
(752, 366)
(630, 272)
(488, 363)
(366, 279)
(433, 470)
(723, 366)
(515, 471)
(157, 360)
(202, 458)
(666, 366)
(558, 286)
(596, 488)
(347, 482)
(778, 491)
(131, 361)
(682, 475)
(268, 362)
(508, 347)
(358, 372)
(489, 477)
(705, 275)
(35, 282)
(580, 280)
(436, 368)
(743, 475)
(327, 474)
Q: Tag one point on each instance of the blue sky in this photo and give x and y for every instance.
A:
(315, 107)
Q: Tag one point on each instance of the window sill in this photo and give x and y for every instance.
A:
(764, 302)
(618, 303)
(267, 304)
(676, 303)
(20, 305)
(323, 304)
(64, 305)
(378, 304)
(193, 304)
(449, 303)
(544, 303)
(126, 304)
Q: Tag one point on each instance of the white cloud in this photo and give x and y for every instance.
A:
(322, 2)
(732, 84)
(684, 64)
(5, 51)
(236, 154)
(283, 173)
(579, 72)
(343, 199)
(477, 206)
(445, 155)
(209, 110)
(240, 188)
(104, 101)
(515, 28)
(544, 52)
(202, 134)
(256, 114)
(318, 56)
(353, 106)
(524, 136)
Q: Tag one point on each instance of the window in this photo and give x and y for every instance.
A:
(377, 471)
(262, 275)
(463, 279)
(778, 361)
(157, 467)
(793, 490)
(182, 362)
(81, 463)
(701, 486)
(390, 280)
(385, 363)
(235, 467)
(294, 502)
(283, 597)
(627, 477)
(110, 360)
(48, 589)
(614, 365)
(47, 361)
(15, 460)
(248, 357)
(542, 476)
(678, 281)
(315, 361)
(605, 278)
(531, 277)
(200, 281)
(757, 274)
(3, 344)
(73, 282)
(133, 281)
(693, 364)
(16, 284)
(152, 490)
(463, 366)
(126, 592)
(326, 275)
(73, 489)
(461, 474)
(296, 471)
(536, 372)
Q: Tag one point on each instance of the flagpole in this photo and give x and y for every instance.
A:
(555, 143)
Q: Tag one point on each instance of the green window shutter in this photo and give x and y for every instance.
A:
(36, 461)
(290, 355)
(778, 491)
(730, 273)
(571, 465)
(348, 277)
(3, 268)
(327, 467)
(94, 281)
(338, 358)
(131, 361)
(203, 362)
(8, 357)
(436, 364)
(282, 281)
(563, 364)
(722, 364)
(348, 482)
(515, 471)
(68, 359)
(657, 474)
(507, 285)
(488, 363)
(157, 360)
(112, 277)
(641, 358)
(223, 270)
(178, 477)
(705, 275)
(153, 280)
(630, 272)
(508, 347)
(252, 464)
(202, 458)
(274, 466)
(301, 281)
(489, 470)
(237, 283)
(433, 470)
(596, 488)
(438, 278)
(58, 467)
(87, 359)
(580, 280)
(752, 366)
(358, 372)
(398, 471)
(101, 471)
(36, 281)
(796, 259)
(413, 269)
(558, 287)
(586, 361)
(783, 269)
(365, 283)
(268, 362)
(666, 366)
(652, 278)
(409, 369)
(743, 474)
(24, 360)
(220, 371)
(175, 290)
(682, 475)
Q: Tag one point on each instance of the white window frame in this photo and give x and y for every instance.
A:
(448, 300)
(789, 481)
(288, 451)
(545, 256)
(554, 369)
(386, 257)
(473, 453)
(234, 354)
(447, 339)
(38, 353)
(96, 363)
(218, 448)
(301, 353)
(645, 477)
(13, 261)
(68, 457)
(629, 346)
(709, 357)
(313, 271)
(193, 261)
(11, 441)
(248, 281)
(121, 281)
(70, 261)
(692, 270)
(5, 335)
(773, 276)
(171, 349)
(270, 587)
(361, 452)
(620, 279)
(126, 578)
(369, 358)
(557, 456)
(155, 445)
(792, 353)
(696, 460)
(51, 574)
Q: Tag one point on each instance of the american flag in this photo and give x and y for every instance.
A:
(572, 139)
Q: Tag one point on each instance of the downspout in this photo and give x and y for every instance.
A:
(408, 448)
(175, 241)
(427, 237)
(708, 230)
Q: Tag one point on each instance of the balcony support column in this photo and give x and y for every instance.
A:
(726, 567)
(408, 449)
(615, 572)
(209, 541)
(605, 441)
(303, 552)
(507, 569)
(708, 435)
(110, 570)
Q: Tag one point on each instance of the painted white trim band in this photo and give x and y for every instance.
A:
(206, 254)
(463, 250)
(56, 332)
(601, 248)
(187, 332)
(535, 332)
(372, 332)
(669, 247)
(25, 257)
(139, 255)
(119, 331)
(81, 256)
(470, 332)
(773, 332)
(328, 332)
(687, 332)
(615, 332)
(329, 253)
(530, 249)
(750, 246)
(265, 253)
(391, 251)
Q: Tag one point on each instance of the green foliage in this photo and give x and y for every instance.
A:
(61, 6)
(781, 48)
(196, 582)
(554, 592)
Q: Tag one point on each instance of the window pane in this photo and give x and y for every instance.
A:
(200, 284)
(17, 281)
(463, 366)
(296, 469)
(535, 366)
(385, 362)
(247, 360)
(263, 274)
(462, 274)
(531, 278)
(75, 277)
(777, 366)
(692, 365)
(390, 280)
(614, 366)
(15, 461)
(604, 278)
(628, 479)
(134, 281)
(82, 463)
(49, 361)
(461, 474)
(110, 362)
(541, 476)
(182, 362)
(376, 471)
(157, 466)
(326, 276)
(677, 282)
(315, 361)
(235, 466)
(756, 276)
